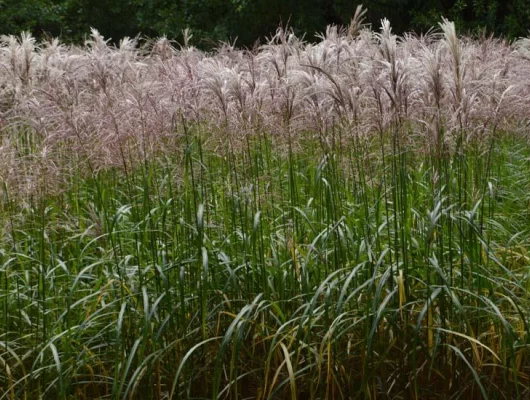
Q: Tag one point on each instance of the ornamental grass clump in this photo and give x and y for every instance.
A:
(340, 219)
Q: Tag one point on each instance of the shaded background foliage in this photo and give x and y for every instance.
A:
(250, 20)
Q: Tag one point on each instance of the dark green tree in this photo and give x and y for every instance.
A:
(35, 16)
(250, 20)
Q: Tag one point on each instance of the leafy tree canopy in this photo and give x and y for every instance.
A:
(250, 20)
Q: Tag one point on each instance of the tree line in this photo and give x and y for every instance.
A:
(249, 21)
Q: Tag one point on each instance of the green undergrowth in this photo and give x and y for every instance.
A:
(358, 268)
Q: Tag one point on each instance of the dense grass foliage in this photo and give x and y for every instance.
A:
(348, 220)
(306, 275)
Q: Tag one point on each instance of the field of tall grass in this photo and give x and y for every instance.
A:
(346, 219)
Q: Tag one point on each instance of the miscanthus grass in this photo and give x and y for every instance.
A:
(258, 273)
(284, 223)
